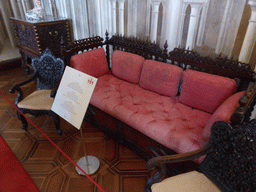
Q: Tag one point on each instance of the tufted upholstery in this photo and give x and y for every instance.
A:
(160, 77)
(199, 90)
(92, 62)
(162, 118)
(143, 94)
(127, 66)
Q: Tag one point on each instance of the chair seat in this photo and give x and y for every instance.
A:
(187, 182)
(38, 100)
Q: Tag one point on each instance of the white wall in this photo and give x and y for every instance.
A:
(215, 26)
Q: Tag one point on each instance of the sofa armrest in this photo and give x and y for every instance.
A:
(159, 162)
(247, 103)
(223, 113)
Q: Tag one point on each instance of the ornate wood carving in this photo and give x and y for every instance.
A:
(144, 48)
(25, 35)
(77, 46)
(48, 72)
(35, 37)
(231, 161)
(219, 66)
(247, 103)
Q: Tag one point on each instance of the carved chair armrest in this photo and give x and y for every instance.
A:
(162, 160)
(18, 89)
(156, 161)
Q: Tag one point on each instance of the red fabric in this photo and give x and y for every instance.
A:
(223, 113)
(13, 177)
(205, 91)
(92, 62)
(161, 118)
(160, 77)
(127, 66)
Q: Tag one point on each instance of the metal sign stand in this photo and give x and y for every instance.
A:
(88, 163)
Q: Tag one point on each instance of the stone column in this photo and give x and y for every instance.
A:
(15, 8)
(113, 2)
(121, 16)
(172, 17)
(250, 36)
(154, 20)
(97, 18)
(132, 18)
(193, 24)
(22, 13)
(223, 27)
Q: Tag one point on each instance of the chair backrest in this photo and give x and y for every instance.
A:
(231, 162)
(49, 70)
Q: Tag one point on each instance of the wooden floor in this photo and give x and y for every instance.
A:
(120, 168)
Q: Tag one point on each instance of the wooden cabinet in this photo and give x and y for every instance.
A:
(34, 37)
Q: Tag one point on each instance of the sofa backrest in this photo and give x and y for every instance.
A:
(205, 91)
(127, 66)
(88, 61)
(160, 77)
(186, 59)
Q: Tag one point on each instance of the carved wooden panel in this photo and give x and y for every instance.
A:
(49, 35)
(34, 37)
(26, 35)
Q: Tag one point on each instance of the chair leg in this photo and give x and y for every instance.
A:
(56, 120)
(23, 121)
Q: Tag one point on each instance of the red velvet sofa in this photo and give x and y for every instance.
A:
(169, 104)
(13, 177)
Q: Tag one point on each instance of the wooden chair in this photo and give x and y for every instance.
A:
(48, 71)
(229, 165)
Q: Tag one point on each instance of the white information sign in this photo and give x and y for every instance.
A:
(73, 96)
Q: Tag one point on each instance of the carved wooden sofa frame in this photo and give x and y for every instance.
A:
(180, 57)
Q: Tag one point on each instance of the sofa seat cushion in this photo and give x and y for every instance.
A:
(205, 91)
(161, 118)
(88, 61)
(160, 77)
(127, 66)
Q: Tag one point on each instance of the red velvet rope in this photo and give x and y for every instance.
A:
(54, 144)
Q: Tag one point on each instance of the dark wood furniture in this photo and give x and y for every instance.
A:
(180, 57)
(47, 72)
(229, 162)
(34, 37)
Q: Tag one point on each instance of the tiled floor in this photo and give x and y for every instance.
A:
(120, 168)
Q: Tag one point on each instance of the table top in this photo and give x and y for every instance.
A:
(47, 18)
